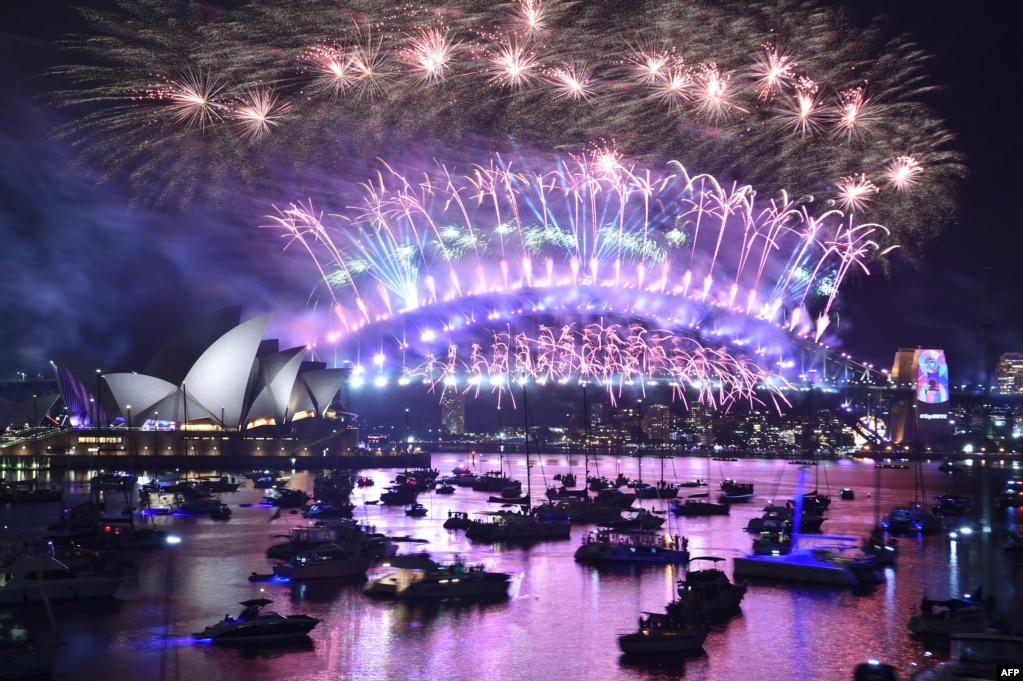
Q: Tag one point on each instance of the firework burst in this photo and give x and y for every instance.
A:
(585, 235)
(786, 96)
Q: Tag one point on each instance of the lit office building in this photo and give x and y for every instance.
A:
(452, 412)
(1009, 373)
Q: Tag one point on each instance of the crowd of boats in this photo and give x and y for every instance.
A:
(85, 552)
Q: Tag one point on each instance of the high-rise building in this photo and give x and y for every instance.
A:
(452, 411)
(657, 423)
(920, 415)
(1009, 373)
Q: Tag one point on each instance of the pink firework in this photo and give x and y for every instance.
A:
(257, 112)
(903, 172)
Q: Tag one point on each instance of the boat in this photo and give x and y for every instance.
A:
(22, 657)
(521, 527)
(615, 498)
(399, 495)
(511, 490)
(446, 488)
(639, 519)
(416, 510)
(773, 541)
(1014, 540)
(221, 512)
(884, 550)
(1012, 495)
(159, 503)
(327, 511)
(115, 534)
(709, 592)
(950, 505)
(911, 519)
(287, 498)
(115, 481)
(528, 526)
(34, 579)
(490, 481)
(556, 493)
(874, 670)
(418, 577)
(892, 465)
(944, 617)
(810, 566)
(344, 531)
(815, 562)
(735, 492)
(608, 545)
(30, 491)
(217, 485)
(457, 520)
(566, 479)
(777, 517)
(257, 625)
(662, 490)
(268, 480)
(200, 506)
(698, 482)
(976, 656)
(665, 633)
(580, 511)
(699, 504)
(510, 501)
(325, 561)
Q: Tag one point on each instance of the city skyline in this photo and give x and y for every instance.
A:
(107, 220)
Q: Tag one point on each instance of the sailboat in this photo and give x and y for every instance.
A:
(820, 564)
(524, 526)
(912, 518)
(699, 504)
(661, 490)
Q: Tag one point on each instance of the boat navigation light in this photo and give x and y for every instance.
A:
(173, 539)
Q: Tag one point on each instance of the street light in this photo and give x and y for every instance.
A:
(99, 400)
(156, 441)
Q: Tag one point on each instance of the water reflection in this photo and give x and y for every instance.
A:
(561, 619)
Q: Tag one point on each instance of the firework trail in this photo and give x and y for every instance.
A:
(666, 246)
(188, 101)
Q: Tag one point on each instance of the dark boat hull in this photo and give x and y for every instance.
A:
(276, 630)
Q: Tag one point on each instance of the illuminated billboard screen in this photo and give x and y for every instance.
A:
(931, 377)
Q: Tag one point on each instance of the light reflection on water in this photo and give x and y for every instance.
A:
(561, 620)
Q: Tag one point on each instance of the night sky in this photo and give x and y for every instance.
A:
(91, 270)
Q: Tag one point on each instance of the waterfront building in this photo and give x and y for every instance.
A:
(1009, 373)
(452, 411)
(920, 412)
(216, 388)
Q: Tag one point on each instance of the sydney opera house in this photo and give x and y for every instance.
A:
(217, 392)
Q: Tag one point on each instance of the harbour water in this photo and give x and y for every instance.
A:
(562, 618)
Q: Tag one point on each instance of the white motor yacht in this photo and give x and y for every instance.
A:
(417, 576)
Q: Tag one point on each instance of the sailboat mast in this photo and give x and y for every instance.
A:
(586, 437)
(525, 418)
